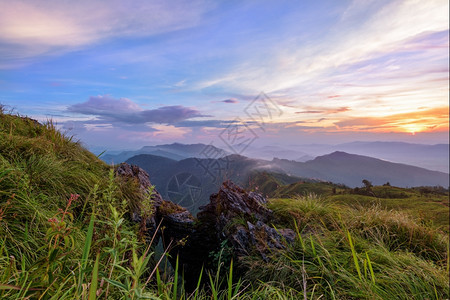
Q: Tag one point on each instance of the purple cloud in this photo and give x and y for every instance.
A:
(99, 105)
(123, 110)
(170, 114)
(231, 100)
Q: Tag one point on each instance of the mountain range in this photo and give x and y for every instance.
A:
(175, 151)
(189, 182)
(432, 157)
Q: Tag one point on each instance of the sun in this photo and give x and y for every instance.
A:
(413, 128)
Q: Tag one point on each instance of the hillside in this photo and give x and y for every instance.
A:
(51, 188)
(73, 227)
(426, 204)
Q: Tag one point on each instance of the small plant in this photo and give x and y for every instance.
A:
(60, 227)
(148, 203)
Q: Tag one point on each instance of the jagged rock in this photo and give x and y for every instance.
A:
(142, 177)
(177, 222)
(232, 204)
(136, 176)
(233, 215)
(232, 201)
(223, 219)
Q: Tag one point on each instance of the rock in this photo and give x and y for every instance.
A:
(139, 174)
(176, 220)
(134, 175)
(176, 223)
(233, 215)
(232, 204)
(232, 201)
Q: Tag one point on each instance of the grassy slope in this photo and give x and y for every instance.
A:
(352, 251)
(50, 186)
(46, 250)
(431, 208)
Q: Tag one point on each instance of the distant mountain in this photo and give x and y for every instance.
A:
(350, 169)
(175, 151)
(304, 158)
(271, 152)
(189, 182)
(433, 157)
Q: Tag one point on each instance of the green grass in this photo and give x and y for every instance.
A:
(361, 252)
(432, 209)
(65, 234)
(305, 188)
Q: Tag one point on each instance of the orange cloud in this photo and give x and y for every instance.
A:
(323, 110)
(430, 120)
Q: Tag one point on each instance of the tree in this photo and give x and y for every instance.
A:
(367, 184)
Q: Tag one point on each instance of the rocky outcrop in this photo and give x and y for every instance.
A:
(176, 220)
(234, 216)
(240, 217)
(136, 173)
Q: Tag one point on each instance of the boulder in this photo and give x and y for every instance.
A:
(233, 216)
(241, 217)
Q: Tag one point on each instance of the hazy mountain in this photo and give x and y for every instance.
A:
(189, 182)
(350, 169)
(271, 152)
(175, 151)
(304, 158)
(432, 157)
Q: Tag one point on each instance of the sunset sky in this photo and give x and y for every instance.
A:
(124, 74)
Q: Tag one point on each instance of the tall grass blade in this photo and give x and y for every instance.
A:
(86, 250)
(175, 281)
(197, 289)
(372, 274)
(94, 281)
(230, 281)
(355, 257)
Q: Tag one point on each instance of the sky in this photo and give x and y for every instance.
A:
(124, 74)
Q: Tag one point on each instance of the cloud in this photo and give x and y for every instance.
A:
(435, 119)
(231, 100)
(123, 110)
(297, 62)
(170, 114)
(40, 27)
(323, 110)
(205, 123)
(100, 105)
